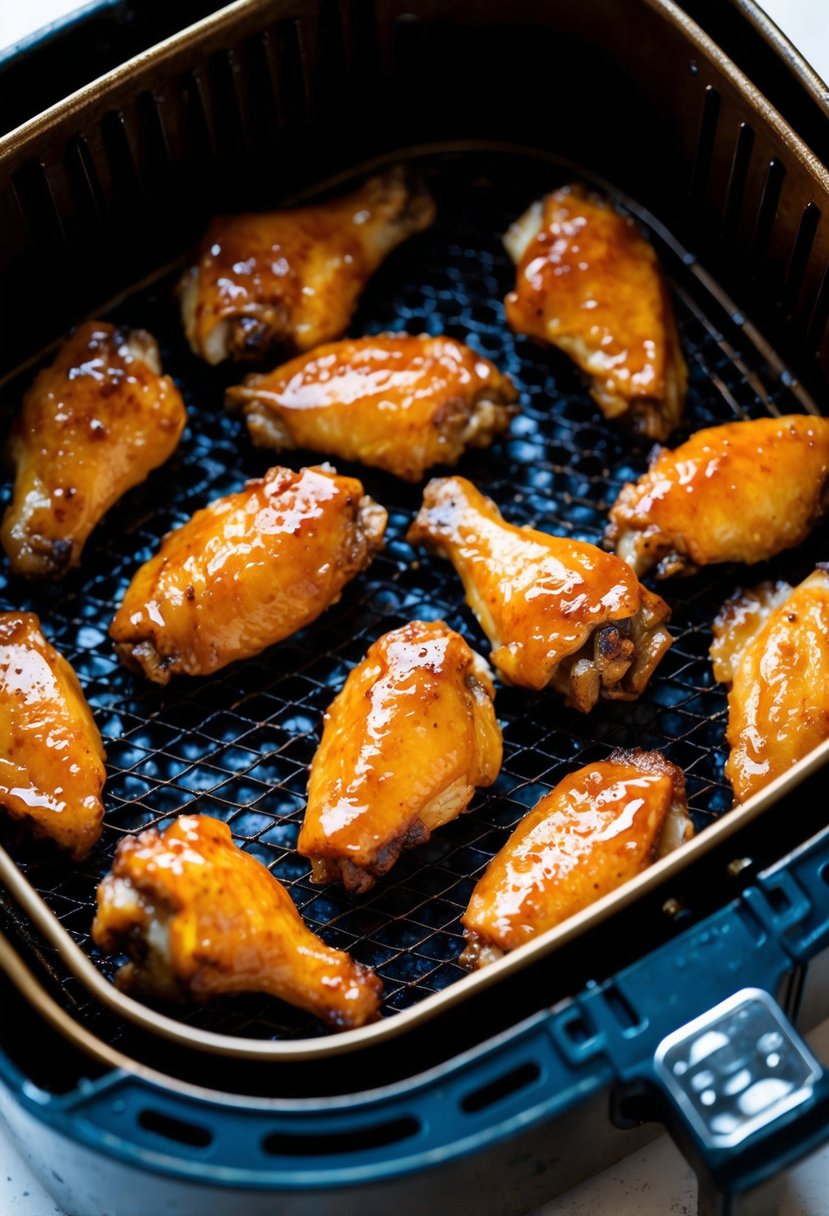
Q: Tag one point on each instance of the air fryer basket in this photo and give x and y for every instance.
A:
(493, 106)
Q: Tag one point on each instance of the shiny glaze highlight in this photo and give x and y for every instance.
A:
(771, 645)
(599, 827)
(200, 918)
(740, 492)
(246, 571)
(93, 425)
(589, 283)
(51, 755)
(290, 280)
(405, 743)
(398, 402)
(540, 598)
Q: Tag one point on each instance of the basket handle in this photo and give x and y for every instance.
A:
(734, 1083)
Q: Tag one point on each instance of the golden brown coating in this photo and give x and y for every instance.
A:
(247, 571)
(557, 611)
(289, 280)
(398, 402)
(589, 283)
(771, 646)
(405, 744)
(93, 425)
(599, 827)
(51, 755)
(740, 492)
(200, 918)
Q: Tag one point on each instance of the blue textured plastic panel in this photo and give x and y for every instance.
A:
(237, 745)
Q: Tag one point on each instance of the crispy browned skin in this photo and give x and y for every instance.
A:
(247, 571)
(599, 827)
(405, 744)
(51, 755)
(556, 611)
(200, 918)
(589, 283)
(740, 492)
(289, 280)
(771, 646)
(398, 402)
(93, 425)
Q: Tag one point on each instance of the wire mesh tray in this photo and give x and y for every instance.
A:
(236, 745)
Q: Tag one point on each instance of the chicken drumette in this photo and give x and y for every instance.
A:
(200, 918)
(556, 611)
(247, 571)
(398, 402)
(289, 280)
(771, 646)
(740, 492)
(589, 283)
(51, 755)
(406, 742)
(93, 425)
(599, 827)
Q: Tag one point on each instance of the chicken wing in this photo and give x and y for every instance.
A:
(247, 571)
(93, 425)
(200, 918)
(599, 827)
(51, 755)
(589, 283)
(405, 743)
(289, 280)
(398, 402)
(734, 493)
(771, 647)
(556, 611)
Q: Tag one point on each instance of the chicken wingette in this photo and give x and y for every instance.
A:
(558, 612)
(739, 492)
(199, 918)
(93, 425)
(289, 280)
(400, 403)
(589, 283)
(247, 571)
(51, 755)
(599, 827)
(771, 647)
(405, 744)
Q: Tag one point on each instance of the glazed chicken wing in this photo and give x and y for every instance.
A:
(247, 571)
(556, 611)
(51, 755)
(406, 742)
(589, 283)
(200, 918)
(93, 425)
(734, 493)
(771, 646)
(289, 280)
(398, 402)
(599, 827)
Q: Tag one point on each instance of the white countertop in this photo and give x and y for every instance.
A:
(655, 1181)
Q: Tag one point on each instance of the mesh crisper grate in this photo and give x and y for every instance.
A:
(237, 745)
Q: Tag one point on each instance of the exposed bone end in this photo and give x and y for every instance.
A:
(372, 519)
(142, 657)
(266, 429)
(478, 952)
(677, 827)
(523, 231)
(490, 417)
